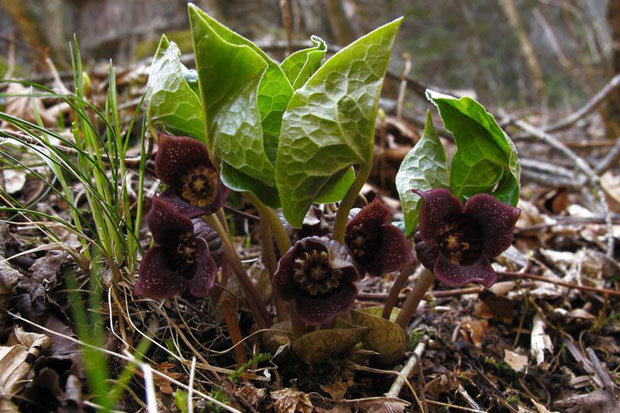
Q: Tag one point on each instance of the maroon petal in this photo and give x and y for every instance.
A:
(176, 155)
(438, 207)
(394, 254)
(454, 275)
(283, 285)
(321, 310)
(371, 216)
(183, 207)
(165, 223)
(206, 272)
(496, 220)
(156, 279)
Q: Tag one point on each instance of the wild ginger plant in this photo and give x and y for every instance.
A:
(291, 135)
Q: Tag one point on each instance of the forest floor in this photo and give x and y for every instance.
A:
(543, 338)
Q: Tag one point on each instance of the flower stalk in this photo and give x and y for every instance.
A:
(269, 260)
(425, 281)
(258, 309)
(342, 215)
(398, 285)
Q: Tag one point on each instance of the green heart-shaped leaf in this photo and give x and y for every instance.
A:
(424, 168)
(302, 64)
(243, 94)
(384, 336)
(486, 159)
(329, 123)
(171, 101)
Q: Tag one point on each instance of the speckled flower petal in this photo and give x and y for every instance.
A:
(454, 275)
(176, 155)
(394, 253)
(439, 207)
(165, 223)
(156, 279)
(282, 284)
(184, 208)
(496, 220)
(372, 216)
(206, 272)
(320, 310)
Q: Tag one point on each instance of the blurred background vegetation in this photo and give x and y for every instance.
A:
(512, 53)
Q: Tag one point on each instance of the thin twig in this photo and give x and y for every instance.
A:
(403, 86)
(407, 369)
(610, 159)
(398, 285)
(286, 20)
(597, 99)
(582, 165)
(526, 275)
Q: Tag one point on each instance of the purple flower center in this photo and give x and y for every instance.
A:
(313, 274)
(363, 244)
(460, 240)
(199, 186)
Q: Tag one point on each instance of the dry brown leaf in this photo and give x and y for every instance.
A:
(516, 361)
(383, 406)
(493, 307)
(337, 408)
(22, 107)
(16, 359)
(477, 330)
(164, 384)
(250, 394)
(335, 390)
(13, 180)
(611, 186)
(291, 401)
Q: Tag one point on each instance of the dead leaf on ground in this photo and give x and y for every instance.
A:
(21, 106)
(611, 186)
(383, 406)
(291, 401)
(491, 306)
(477, 331)
(16, 359)
(251, 395)
(516, 361)
(14, 180)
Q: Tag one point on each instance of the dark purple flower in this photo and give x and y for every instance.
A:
(318, 274)
(314, 225)
(194, 185)
(377, 246)
(186, 254)
(456, 242)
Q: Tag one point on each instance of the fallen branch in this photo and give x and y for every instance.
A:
(535, 277)
(581, 164)
(597, 99)
(407, 369)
